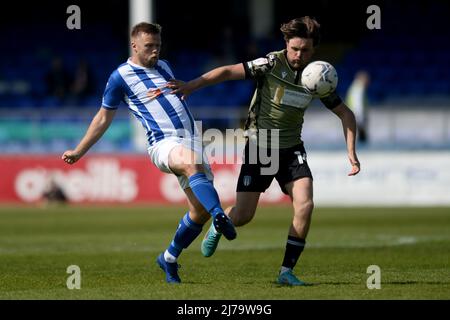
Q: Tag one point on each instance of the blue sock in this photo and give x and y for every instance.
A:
(205, 193)
(187, 231)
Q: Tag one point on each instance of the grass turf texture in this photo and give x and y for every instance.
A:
(116, 249)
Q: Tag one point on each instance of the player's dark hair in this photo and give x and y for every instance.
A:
(151, 28)
(304, 27)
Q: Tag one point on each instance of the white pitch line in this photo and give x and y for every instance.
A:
(375, 242)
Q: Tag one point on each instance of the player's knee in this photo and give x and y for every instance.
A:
(304, 208)
(310, 205)
(191, 169)
(242, 216)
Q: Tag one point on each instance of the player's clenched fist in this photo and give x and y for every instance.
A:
(70, 156)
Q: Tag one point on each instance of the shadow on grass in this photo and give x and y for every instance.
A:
(308, 284)
(383, 283)
(415, 282)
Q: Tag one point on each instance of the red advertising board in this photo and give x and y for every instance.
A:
(106, 179)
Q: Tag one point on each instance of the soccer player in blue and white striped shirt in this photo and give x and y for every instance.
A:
(174, 141)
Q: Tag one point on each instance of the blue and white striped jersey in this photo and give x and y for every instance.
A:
(163, 116)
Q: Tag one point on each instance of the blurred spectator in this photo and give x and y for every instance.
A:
(57, 79)
(356, 100)
(53, 193)
(83, 82)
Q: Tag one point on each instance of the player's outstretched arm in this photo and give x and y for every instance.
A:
(217, 75)
(98, 126)
(349, 126)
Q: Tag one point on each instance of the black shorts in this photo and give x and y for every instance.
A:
(292, 166)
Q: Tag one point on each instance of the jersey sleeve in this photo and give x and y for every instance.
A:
(259, 67)
(331, 101)
(114, 91)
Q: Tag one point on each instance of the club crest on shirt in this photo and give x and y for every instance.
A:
(154, 93)
(283, 74)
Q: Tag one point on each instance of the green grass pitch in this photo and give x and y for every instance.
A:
(116, 248)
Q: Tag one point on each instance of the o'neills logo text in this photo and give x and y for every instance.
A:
(101, 180)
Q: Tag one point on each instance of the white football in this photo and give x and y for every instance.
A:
(320, 78)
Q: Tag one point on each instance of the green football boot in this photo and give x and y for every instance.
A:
(210, 241)
(289, 279)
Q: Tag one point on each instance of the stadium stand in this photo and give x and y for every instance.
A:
(408, 61)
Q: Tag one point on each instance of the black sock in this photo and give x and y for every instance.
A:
(294, 248)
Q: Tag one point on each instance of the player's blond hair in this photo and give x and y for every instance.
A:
(145, 27)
